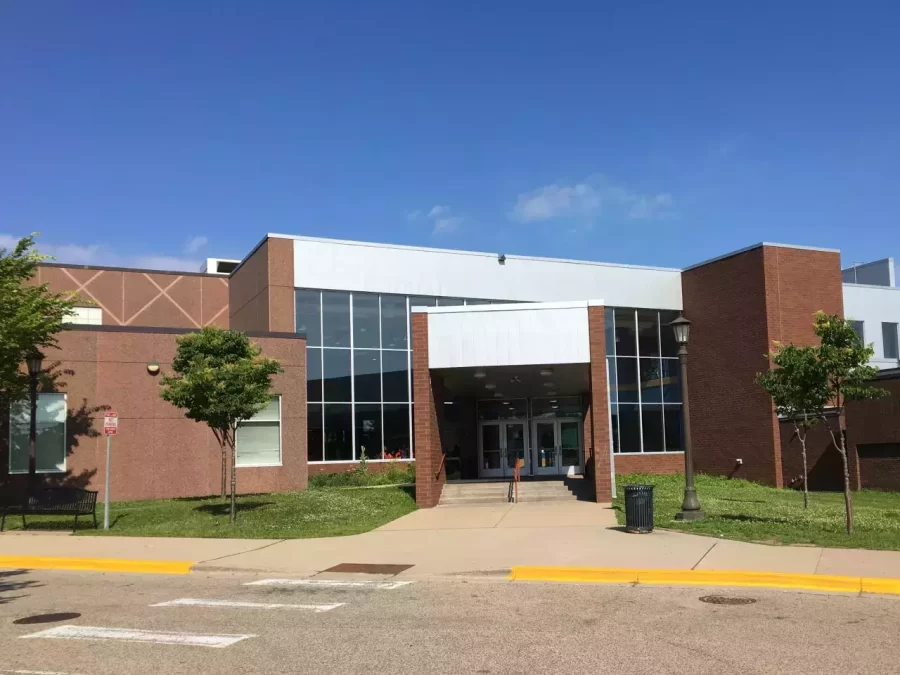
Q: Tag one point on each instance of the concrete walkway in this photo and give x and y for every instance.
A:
(473, 540)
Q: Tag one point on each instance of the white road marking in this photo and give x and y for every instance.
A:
(382, 585)
(135, 635)
(199, 602)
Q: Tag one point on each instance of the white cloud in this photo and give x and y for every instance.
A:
(593, 197)
(441, 218)
(194, 244)
(100, 254)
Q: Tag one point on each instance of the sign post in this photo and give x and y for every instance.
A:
(110, 429)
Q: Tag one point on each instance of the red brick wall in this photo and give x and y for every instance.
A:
(159, 453)
(875, 422)
(738, 306)
(825, 469)
(427, 393)
(144, 297)
(599, 408)
(262, 289)
(667, 463)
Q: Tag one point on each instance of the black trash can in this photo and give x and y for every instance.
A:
(639, 508)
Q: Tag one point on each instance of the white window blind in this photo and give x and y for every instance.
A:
(51, 434)
(89, 316)
(258, 440)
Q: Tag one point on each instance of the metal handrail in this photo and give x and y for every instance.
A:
(441, 466)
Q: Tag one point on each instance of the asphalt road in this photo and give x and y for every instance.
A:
(434, 626)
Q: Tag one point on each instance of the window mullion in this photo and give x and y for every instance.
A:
(352, 386)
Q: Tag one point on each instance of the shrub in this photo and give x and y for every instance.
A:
(397, 472)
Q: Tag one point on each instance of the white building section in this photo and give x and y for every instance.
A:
(508, 335)
(406, 270)
(878, 308)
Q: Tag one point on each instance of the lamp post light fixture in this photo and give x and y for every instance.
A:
(34, 361)
(690, 507)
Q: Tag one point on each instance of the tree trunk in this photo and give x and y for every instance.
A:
(805, 474)
(232, 514)
(224, 466)
(848, 501)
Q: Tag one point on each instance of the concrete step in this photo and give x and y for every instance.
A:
(498, 492)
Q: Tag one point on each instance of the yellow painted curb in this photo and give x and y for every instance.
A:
(96, 564)
(809, 582)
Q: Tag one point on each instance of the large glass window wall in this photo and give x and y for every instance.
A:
(644, 385)
(358, 365)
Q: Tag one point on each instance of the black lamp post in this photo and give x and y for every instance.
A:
(690, 507)
(34, 369)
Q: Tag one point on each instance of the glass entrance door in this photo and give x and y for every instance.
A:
(545, 447)
(500, 444)
(557, 448)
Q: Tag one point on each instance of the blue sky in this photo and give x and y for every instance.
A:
(659, 133)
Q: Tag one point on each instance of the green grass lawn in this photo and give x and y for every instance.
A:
(317, 512)
(738, 509)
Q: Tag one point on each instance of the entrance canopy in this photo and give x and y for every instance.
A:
(522, 334)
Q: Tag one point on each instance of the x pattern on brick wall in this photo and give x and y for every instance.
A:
(143, 298)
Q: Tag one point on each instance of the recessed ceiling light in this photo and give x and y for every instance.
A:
(505, 402)
(490, 385)
(548, 384)
(552, 393)
(547, 372)
(554, 406)
(497, 394)
(553, 402)
(480, 375)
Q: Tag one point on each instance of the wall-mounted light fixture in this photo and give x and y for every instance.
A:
(501, 258)
(153, 367)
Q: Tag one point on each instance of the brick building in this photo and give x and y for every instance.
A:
(465, 362)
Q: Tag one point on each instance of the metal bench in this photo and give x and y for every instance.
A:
(55, 501)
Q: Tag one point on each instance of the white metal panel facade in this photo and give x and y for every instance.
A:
(508, 335)
(378, 268)
(873, 305)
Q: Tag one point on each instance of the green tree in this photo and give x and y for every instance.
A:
(799, 388)
(220, 379)
(844, 362)
(31, 316)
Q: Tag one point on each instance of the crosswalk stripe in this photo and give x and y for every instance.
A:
(135, 635)
(200, 602)
(35, 672)
(334, 583)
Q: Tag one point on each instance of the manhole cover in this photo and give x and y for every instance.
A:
(725, 600)
(48, 618)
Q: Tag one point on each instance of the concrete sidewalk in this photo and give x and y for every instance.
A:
(473, 540)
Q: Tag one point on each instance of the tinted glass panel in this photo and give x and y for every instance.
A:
(470, 301)
(611, 378)
(671, 381)
(396, 376)
(674, 434)
(335, 319)
(422, 301)
(652, 421)
(564, 406)
(314, 436)
(614, 422)
(393, 321)
(365, 320)
(367, 374)
(449, 302)
(629, 428)
(396, 431)
(610, 331)
(338, 432)
(313, 374)
(627, 378)
(502, 409)
(669, 346)
(368, 430)
(648, 333)
(858, 328)
(651, 384)
(308, 318)
(625, 334)
(337, 375)
(889, 340)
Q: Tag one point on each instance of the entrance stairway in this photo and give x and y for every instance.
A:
(498, 492)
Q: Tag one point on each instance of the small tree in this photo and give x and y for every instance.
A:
(800, 391)
(30, 316)
(221, 379)
(844, 362)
